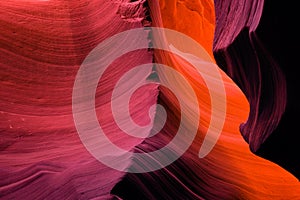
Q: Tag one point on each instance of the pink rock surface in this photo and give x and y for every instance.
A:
(43, 44)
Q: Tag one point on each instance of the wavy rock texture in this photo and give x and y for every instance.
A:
(43, 44)
(257, 74)
(255, 44)
(230, 171)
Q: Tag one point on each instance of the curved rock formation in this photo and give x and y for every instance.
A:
(45, 43)
(254, 44)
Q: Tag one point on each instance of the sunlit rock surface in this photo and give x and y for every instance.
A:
(44, 43)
